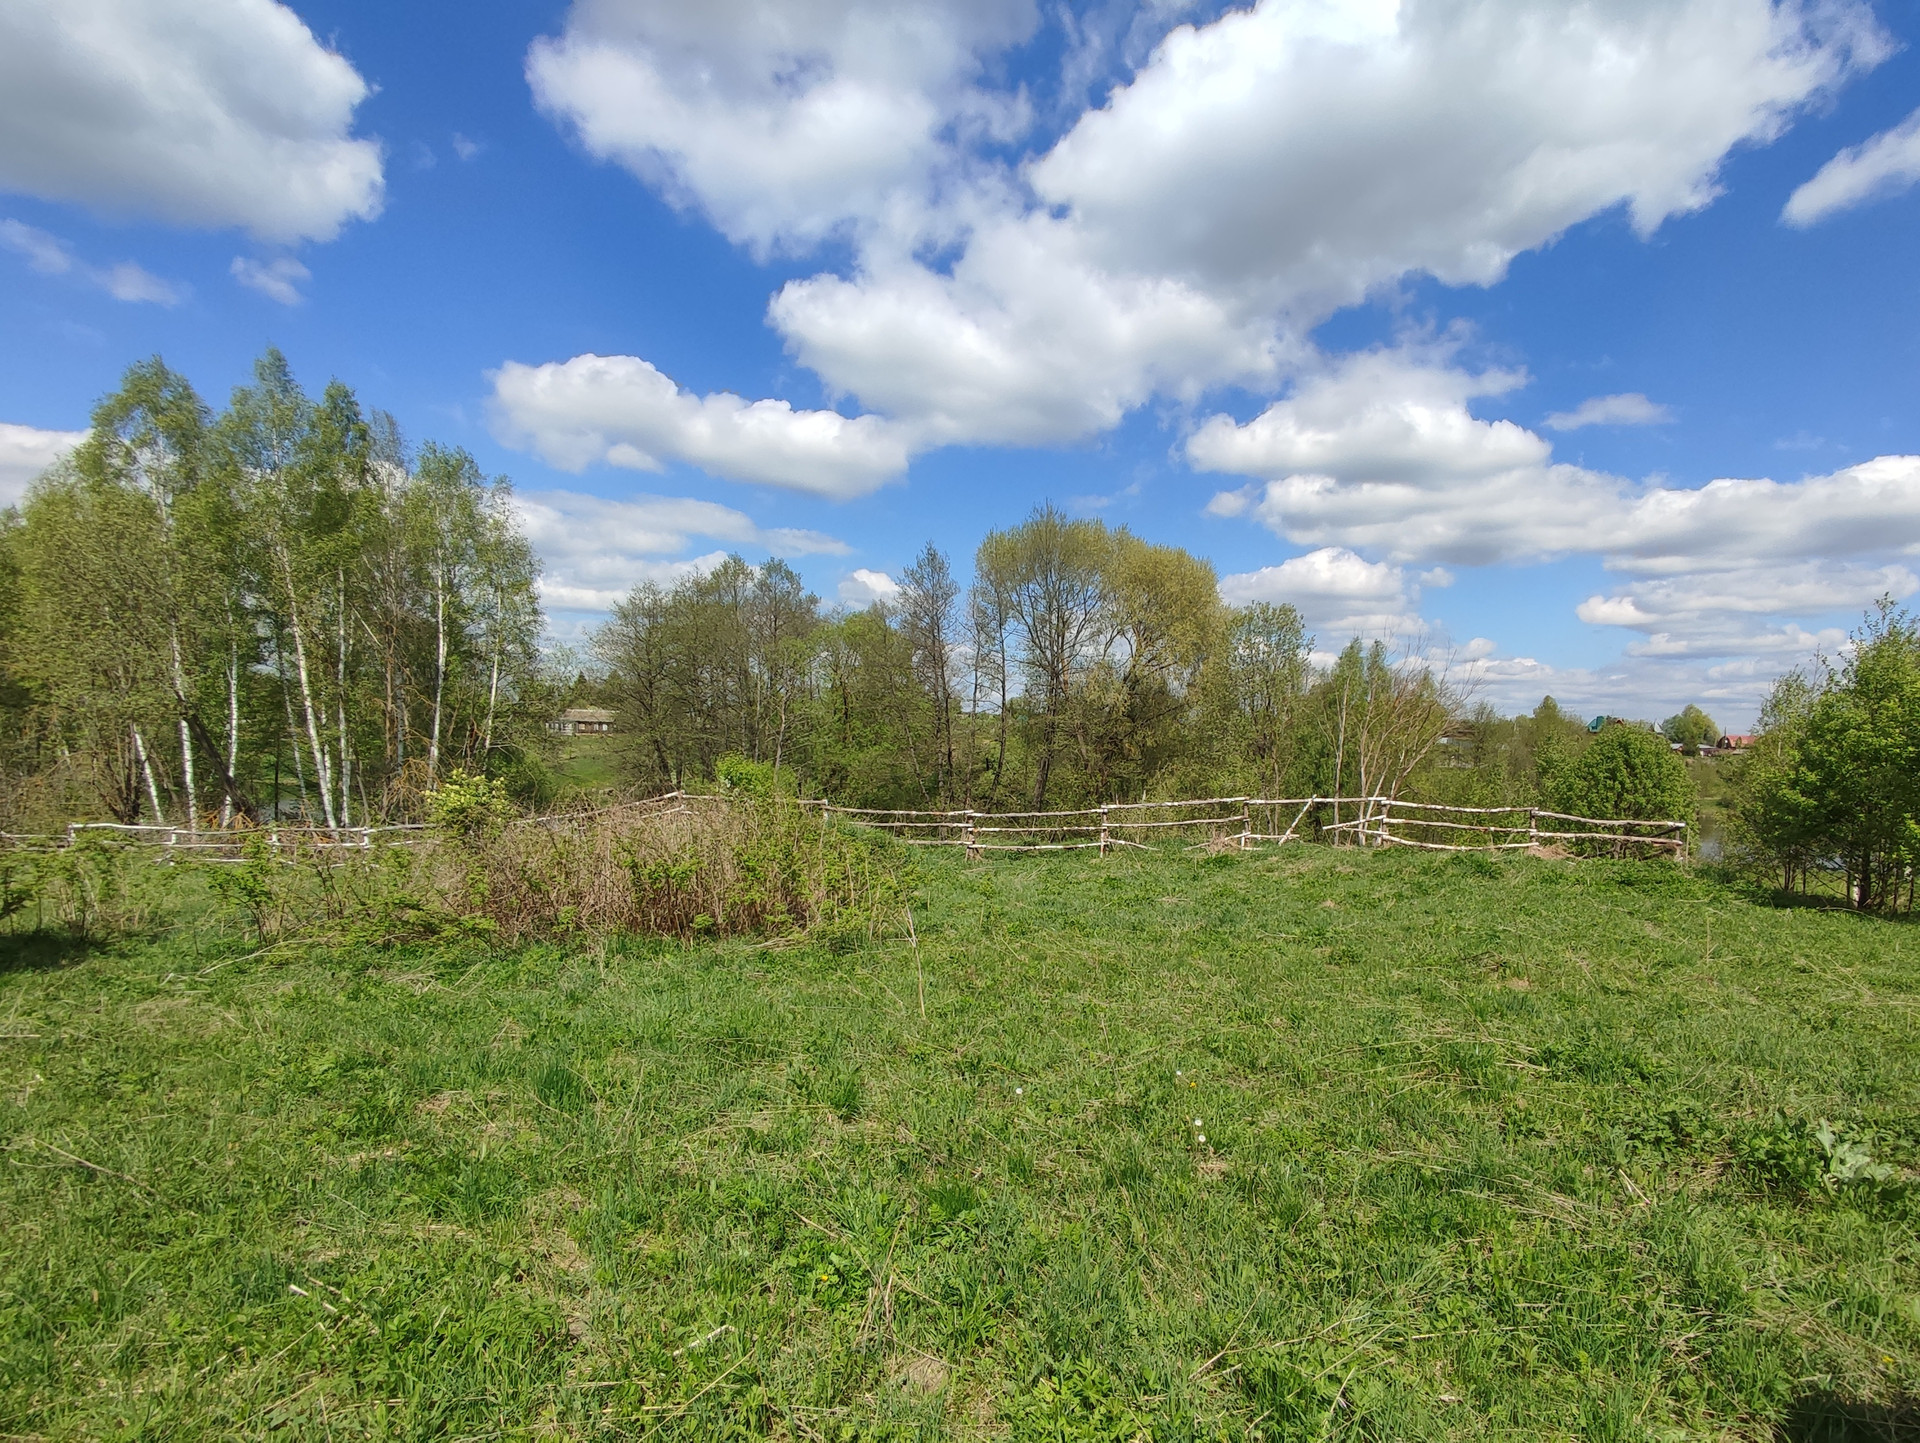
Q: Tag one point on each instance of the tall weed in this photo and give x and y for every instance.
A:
(702, 867)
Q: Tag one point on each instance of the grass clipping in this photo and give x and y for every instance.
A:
(706, 867)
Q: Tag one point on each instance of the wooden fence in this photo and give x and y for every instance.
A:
(1220, 822)
(290, 841)
(1246, 822)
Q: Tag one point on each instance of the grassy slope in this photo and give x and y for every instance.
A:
(1468, 1171)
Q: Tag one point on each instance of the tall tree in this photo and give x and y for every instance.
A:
(928, 602)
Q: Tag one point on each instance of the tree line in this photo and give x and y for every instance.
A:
(1078, 665)
(276, 609)
(281, 609)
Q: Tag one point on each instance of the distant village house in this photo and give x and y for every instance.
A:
(1735, 743)
(582, 721)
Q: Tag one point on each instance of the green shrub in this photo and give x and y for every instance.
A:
(1626, 773)
(470, 808)
(759, 781)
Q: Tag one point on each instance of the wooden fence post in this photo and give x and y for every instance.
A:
(1246, 824)
(973, 847)
(1533, 827)
(1103, 831)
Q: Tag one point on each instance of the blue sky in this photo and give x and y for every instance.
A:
(1318, 290)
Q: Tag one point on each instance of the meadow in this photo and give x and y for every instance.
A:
(1308, 1144)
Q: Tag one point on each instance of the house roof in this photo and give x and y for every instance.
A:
(586, 714)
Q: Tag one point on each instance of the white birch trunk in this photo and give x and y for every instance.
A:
(323, 775)
(340, 711)
(493, 684)
(233, 727)
(146, 767)
(186, 735)
(293, 735)
(439, 667)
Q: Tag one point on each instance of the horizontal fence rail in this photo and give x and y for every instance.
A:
(289, 841)
(1245, 822)
(1217, 823)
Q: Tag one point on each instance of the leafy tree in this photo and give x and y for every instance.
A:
(1857, 763)
(1266, 678)
(1692, 728)
(1773, 829)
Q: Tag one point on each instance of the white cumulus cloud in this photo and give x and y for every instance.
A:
(595, 550)
(1381, 452)
(782, 120)
(208, 113)
(26, 451)
(1401, 468)
(1307, 153)
(1629, 409)
(1883, 166)
(860, 588)
(1334, 590)
(1253, 174)
(1022, 343)
(51, 256)
(621, 410)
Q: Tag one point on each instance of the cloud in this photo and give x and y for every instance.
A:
(1724, 612)
(1306, 154)
(208, 113)
(51, 256)
(1255, 173)
(465, 148)
(596, 550)
(1885, 165)
(1380, 452)
(781, 120)
(1333, 590)
(1023, 343)
(278, 280)
(26, 451)
(621, 410)
(1629, 409)
(860, 588)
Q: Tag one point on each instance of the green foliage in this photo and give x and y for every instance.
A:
(470, 808)
(1691, 728)
(1624, 772)
(1520, 1153)
(1835, 777)
(269, 611)
(738, 776)
(92, 890)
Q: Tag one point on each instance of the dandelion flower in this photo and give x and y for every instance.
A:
(1198, 1123)
(1019, 1092)
(1203, 1137)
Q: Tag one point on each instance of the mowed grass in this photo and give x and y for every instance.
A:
(1507, 1149)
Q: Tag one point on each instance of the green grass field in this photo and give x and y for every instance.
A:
(587, 763)
(1522, 1149)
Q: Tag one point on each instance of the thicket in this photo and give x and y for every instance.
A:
(753, 863)
(276, 609)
